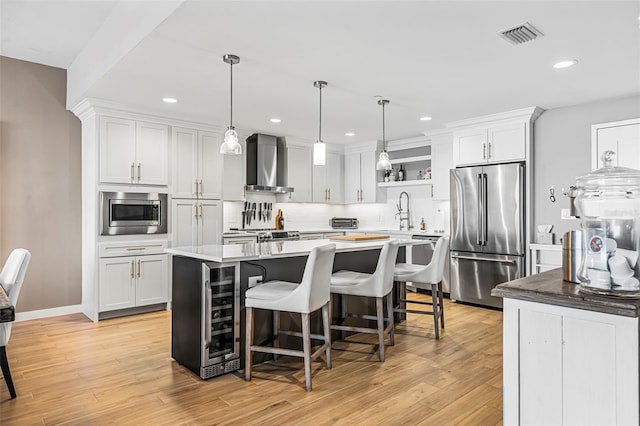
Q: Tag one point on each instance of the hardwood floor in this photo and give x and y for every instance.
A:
(68, 370)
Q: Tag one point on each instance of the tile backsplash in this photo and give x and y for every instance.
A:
(307, 216)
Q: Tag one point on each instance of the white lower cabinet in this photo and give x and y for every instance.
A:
(128, 280)
(569, 366)
(196, 222)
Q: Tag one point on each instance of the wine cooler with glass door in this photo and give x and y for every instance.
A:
(208, 343)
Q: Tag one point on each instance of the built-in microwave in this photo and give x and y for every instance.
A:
(133, 213)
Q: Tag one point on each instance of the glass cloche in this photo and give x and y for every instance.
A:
(608, 200)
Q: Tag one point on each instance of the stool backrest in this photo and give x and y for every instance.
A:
(434, 271)
(382, 278)
(12, 277)
(316, 279)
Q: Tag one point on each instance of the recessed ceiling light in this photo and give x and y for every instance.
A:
(427, 118)
(565, 64)
(275, 120)
(349, 134)
(169, 100)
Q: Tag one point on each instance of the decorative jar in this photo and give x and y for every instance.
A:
(608, 201)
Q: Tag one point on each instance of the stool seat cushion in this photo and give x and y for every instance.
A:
(269, 291)
(420, 275)
(352, 283)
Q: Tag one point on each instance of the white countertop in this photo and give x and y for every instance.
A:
(269, 250)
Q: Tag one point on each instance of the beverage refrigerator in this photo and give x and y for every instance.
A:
(487, 245)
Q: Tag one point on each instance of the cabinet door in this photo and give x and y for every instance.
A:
(300, 169)
(335, 177)
(117, 283)
(368, 177)
(152, 154)
(152, 284)
(352, 178)
(209, 165)
(470, 147)
(183, 223)
(442, 163)
(320, 193)
(117, 150)
(507, 143)
(185, 143)
(209, 222)
(624, 141)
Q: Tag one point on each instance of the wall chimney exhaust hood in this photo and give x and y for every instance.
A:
(267, 164)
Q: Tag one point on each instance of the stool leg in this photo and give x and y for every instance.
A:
(390, 319)
(326, 323)
(276, 332)
(306, 345)
(4, 362)
(343, 314)
(441, 298)
(248, 355)
(434, 302)
(380, 314)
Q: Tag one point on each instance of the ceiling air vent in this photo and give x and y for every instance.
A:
(521, 33)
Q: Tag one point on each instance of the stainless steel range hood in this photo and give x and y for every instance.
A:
(267, 164)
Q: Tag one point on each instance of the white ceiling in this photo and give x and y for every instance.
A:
(437, 58)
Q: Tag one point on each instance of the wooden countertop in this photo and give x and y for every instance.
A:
(548, 287)
(7, 310)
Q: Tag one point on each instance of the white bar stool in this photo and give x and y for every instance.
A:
(378, 285)
(306, 297)
(427, 277)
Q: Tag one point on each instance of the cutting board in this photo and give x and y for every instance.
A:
(356, 237)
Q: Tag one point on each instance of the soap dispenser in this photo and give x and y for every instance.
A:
(423, 226)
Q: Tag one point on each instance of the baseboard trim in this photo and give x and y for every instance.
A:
(47, 313)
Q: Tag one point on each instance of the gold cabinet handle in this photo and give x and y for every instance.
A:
(132, 172)
(201, 210)
(138, 172)
(489, 152)
(201, 187)
(484, 151)
(195, 182)
(132, 273)
(329, 191)
(139, 267)
(196, 211)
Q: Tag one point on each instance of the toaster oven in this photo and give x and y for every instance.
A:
(344, 223)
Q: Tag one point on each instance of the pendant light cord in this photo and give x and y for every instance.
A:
(320, 121)
(231, 100)
(384, 143)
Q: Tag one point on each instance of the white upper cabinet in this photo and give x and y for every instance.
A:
(621, 137)
(361, 176)
(328, 180)
(493, 144)
(442, 163)
(300, 169)
(196, 164)
(133, 152)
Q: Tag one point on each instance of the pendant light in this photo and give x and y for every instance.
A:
(383, 160)
(231, 145)
(319, 148)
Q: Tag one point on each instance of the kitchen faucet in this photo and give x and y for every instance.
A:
(401, 212)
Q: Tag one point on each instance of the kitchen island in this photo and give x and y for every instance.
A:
(568, 357)
(208, 289)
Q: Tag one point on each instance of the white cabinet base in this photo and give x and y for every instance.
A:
(569, 366)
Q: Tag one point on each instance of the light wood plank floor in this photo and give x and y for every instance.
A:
(68, 370)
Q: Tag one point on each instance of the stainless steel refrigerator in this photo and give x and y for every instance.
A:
(487, 230)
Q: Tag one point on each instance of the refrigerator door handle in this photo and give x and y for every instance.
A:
(480, 208)
(484, 259)
(485, 210)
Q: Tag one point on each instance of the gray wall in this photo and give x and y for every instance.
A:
(40, 183)
(562, 151)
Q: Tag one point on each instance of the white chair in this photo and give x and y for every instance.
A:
(427, 277)
(306, 297)
(11, 278)
(378, 285)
